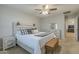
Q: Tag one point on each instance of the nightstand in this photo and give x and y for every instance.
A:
(8, 42)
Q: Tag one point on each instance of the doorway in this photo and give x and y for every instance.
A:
(69, 28)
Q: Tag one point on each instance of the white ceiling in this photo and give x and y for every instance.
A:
(29, 8)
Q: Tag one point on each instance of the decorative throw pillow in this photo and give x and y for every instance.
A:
(18, 32)
(29, 31)
(23, 32)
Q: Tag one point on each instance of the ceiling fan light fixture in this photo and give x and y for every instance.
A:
(45, 12)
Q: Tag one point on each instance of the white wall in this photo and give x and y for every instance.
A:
(9, 15)
(58, 19)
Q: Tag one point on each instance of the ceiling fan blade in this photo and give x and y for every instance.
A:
(66, 12)
(53, 9)
(38, 9)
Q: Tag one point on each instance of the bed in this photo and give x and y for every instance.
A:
(34, 42)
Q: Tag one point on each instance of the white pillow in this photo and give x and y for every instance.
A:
(34, 31)
(18, 32)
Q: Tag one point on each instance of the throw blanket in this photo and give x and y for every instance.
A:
(43, 34)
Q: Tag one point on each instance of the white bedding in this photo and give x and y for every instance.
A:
(34, 42)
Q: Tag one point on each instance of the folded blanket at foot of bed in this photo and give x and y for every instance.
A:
(43, 34)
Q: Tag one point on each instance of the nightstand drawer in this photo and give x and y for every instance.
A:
(10, 45)
(10, 41)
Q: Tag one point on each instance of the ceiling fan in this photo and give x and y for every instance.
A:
(45, 10)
